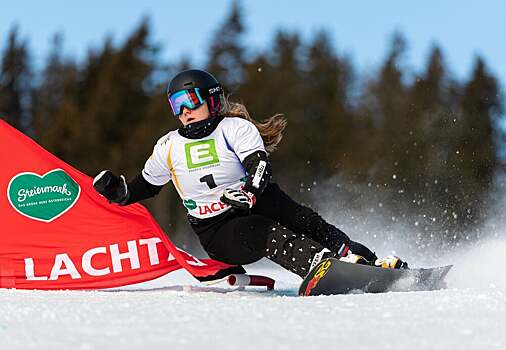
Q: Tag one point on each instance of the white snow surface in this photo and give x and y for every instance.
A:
(175, 312)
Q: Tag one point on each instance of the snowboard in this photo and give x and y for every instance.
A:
(332, 276)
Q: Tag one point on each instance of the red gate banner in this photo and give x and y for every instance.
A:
(56, 232)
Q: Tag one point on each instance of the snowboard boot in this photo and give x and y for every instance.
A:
(354, 259)
(391, 262)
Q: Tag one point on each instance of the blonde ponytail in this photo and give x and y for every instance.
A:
(270, 129)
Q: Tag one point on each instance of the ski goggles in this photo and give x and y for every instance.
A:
(190, 98)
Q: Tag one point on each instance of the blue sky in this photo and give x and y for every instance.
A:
(359, 28)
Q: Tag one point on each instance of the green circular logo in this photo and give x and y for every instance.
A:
(190, 204)
(45, 197)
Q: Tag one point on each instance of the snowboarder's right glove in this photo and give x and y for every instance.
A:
(112, 187)
(238, 199)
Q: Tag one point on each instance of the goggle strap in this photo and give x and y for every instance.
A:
(215, 105)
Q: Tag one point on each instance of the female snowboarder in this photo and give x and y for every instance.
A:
(218, 162)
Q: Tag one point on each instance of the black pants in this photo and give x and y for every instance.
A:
(278, 228)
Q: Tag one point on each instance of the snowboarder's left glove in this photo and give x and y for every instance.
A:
(238, 198)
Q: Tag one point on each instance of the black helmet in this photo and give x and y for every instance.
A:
(208, 86)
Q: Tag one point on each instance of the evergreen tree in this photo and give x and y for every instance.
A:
(426, 112)
(282, 92)
(328, 121)
(55, 107)
(226, 54)
(481, 108)
(385, 103)
(115, 92)
(475, 156)
(15, 83)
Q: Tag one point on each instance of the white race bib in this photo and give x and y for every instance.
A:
(201, 169)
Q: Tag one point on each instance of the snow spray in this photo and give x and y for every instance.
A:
(478, 263)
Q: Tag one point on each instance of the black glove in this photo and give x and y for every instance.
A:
(112, 187)
(238, 199)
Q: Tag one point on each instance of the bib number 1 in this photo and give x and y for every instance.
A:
(209, 180)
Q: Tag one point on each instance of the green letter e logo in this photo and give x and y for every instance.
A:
(200, 153)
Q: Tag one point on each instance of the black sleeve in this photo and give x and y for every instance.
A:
(259, 171)
(139, 189)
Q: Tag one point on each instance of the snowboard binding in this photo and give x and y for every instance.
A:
(391, 262)
(388, 262)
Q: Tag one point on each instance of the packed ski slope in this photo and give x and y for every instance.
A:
(174, 312)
